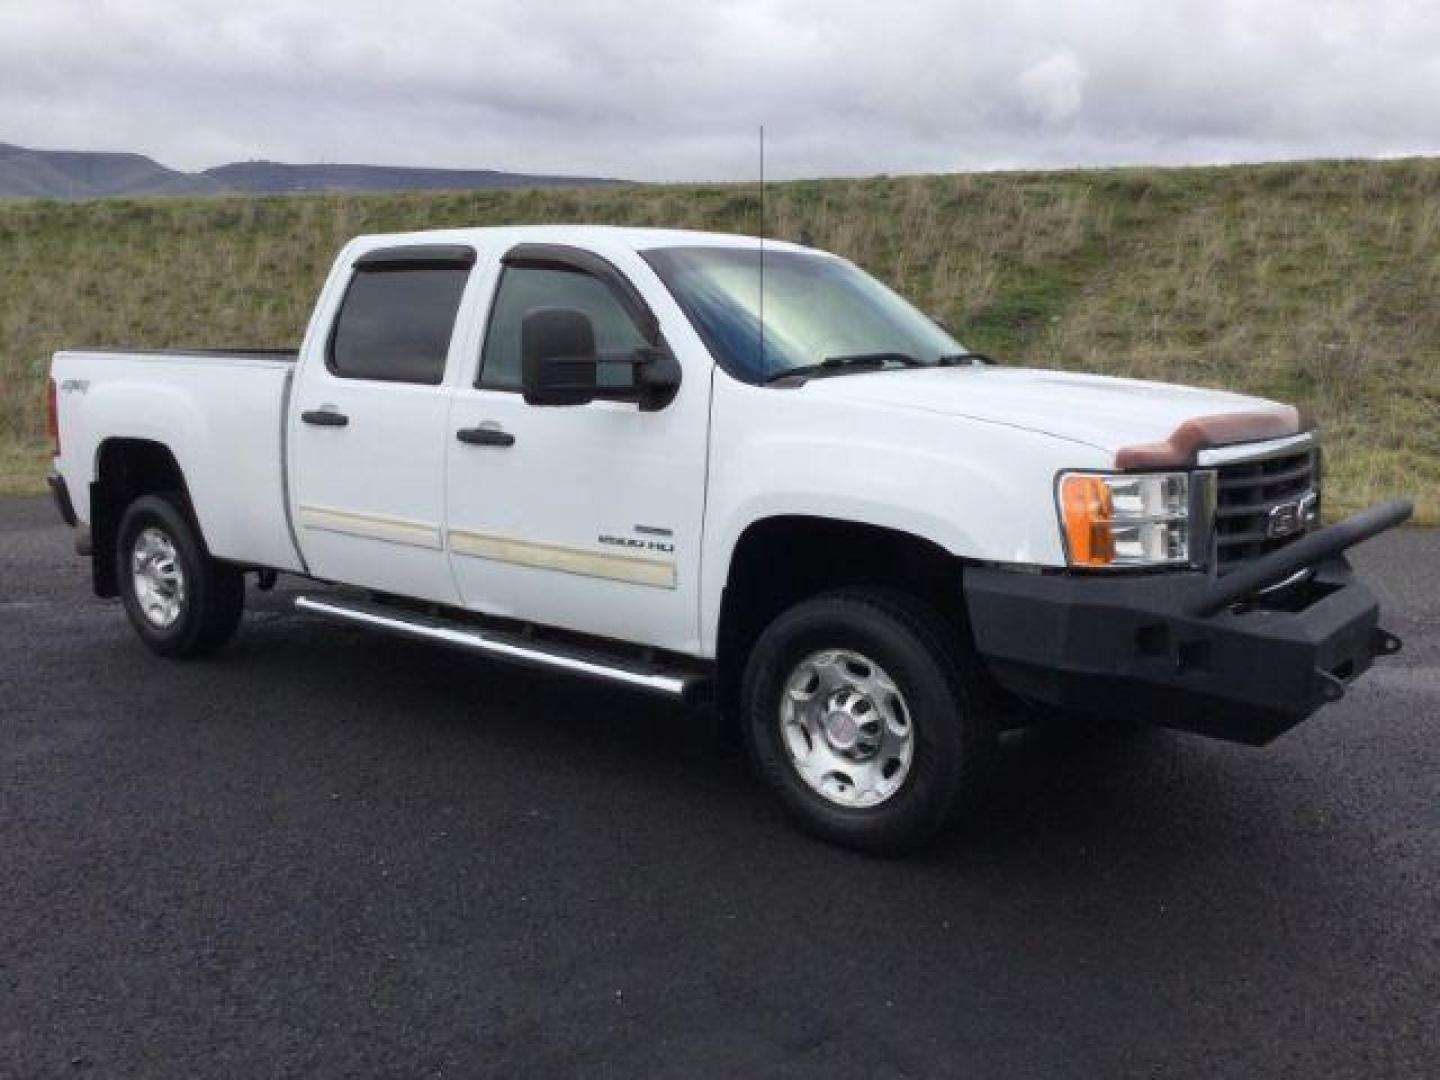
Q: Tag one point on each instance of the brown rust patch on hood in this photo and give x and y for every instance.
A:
(1180, 448)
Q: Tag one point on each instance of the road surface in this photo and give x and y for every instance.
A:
(330, 853)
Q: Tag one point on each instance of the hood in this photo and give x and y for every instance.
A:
(1142, 424)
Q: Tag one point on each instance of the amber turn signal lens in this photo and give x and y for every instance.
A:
(1088, 510)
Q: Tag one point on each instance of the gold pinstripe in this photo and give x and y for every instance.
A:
(636, 569)
(371, 526)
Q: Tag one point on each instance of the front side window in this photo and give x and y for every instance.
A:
(820, 312)
(524, 288)
(395, 323)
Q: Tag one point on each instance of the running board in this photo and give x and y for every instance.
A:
(669, 680)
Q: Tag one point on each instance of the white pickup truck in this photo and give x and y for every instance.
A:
(699, 464)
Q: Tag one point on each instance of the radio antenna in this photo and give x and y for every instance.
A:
(763, 368)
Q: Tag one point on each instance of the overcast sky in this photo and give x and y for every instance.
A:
(675, 89)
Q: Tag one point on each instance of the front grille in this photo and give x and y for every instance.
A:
(1246, 493)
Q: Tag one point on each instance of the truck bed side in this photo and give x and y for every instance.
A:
(220, 415)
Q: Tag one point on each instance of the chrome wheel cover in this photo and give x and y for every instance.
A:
(158, 581)
(847, 728)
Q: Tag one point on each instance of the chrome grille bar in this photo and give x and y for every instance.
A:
(1252, 491)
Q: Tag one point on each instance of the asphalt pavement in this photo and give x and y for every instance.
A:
(330, 853)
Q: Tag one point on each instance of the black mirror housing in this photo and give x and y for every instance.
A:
(558, 362)
(657, 378)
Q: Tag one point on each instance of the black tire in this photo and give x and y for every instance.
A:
(213, 592)
(951, 717)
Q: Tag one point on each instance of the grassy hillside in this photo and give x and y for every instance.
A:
(1317, 283)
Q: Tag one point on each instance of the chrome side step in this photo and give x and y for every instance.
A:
(671, 681)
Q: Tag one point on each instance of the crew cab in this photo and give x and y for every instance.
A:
(714, 466)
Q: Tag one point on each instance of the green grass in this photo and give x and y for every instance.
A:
(1311, 282)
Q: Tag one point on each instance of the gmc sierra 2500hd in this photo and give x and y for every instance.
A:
(580, 448)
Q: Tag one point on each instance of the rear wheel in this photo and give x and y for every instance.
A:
(866, 717)
(180, 601)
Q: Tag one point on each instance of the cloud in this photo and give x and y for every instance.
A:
(652, 89)
(1053, 89)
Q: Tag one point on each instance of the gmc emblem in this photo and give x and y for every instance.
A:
(1289, 518)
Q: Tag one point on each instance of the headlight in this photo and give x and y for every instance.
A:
(1119, 520)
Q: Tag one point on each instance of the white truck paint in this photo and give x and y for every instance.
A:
(222, 417)
(928, 443)
(623, 522)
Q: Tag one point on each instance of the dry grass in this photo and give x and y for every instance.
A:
(1310, 282)
(22, 467)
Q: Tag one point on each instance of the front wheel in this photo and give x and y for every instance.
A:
(867, 718)
(180, 601)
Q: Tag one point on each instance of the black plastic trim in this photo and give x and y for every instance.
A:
(104, 523)
(579, 260)
(277, 356)
(61, 493)
(485, 436)
(417, 257)
(324, 418)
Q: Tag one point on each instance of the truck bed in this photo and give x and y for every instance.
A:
(220, 412)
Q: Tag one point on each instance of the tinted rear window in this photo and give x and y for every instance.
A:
(395, 323)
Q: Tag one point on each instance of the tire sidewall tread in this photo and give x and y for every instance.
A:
(214, 591)
(954, 729)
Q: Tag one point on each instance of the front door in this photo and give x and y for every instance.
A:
(586, 517)
(368, 427)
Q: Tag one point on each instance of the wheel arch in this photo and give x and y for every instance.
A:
(125, 469)
(779, 560)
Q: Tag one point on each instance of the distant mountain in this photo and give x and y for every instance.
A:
(273, 177)
(74, 174)
(78, 174)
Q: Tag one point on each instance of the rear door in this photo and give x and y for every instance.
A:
(589, 516)
(367, 426)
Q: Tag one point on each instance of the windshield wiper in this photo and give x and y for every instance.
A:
(875, 361)
(956, 359)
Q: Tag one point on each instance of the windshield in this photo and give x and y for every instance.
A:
(821, 313)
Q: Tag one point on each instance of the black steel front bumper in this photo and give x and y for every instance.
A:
(1212, 655)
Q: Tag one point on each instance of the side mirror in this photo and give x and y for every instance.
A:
(558, 362)
(657, 377)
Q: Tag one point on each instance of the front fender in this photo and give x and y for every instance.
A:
(979, 490)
